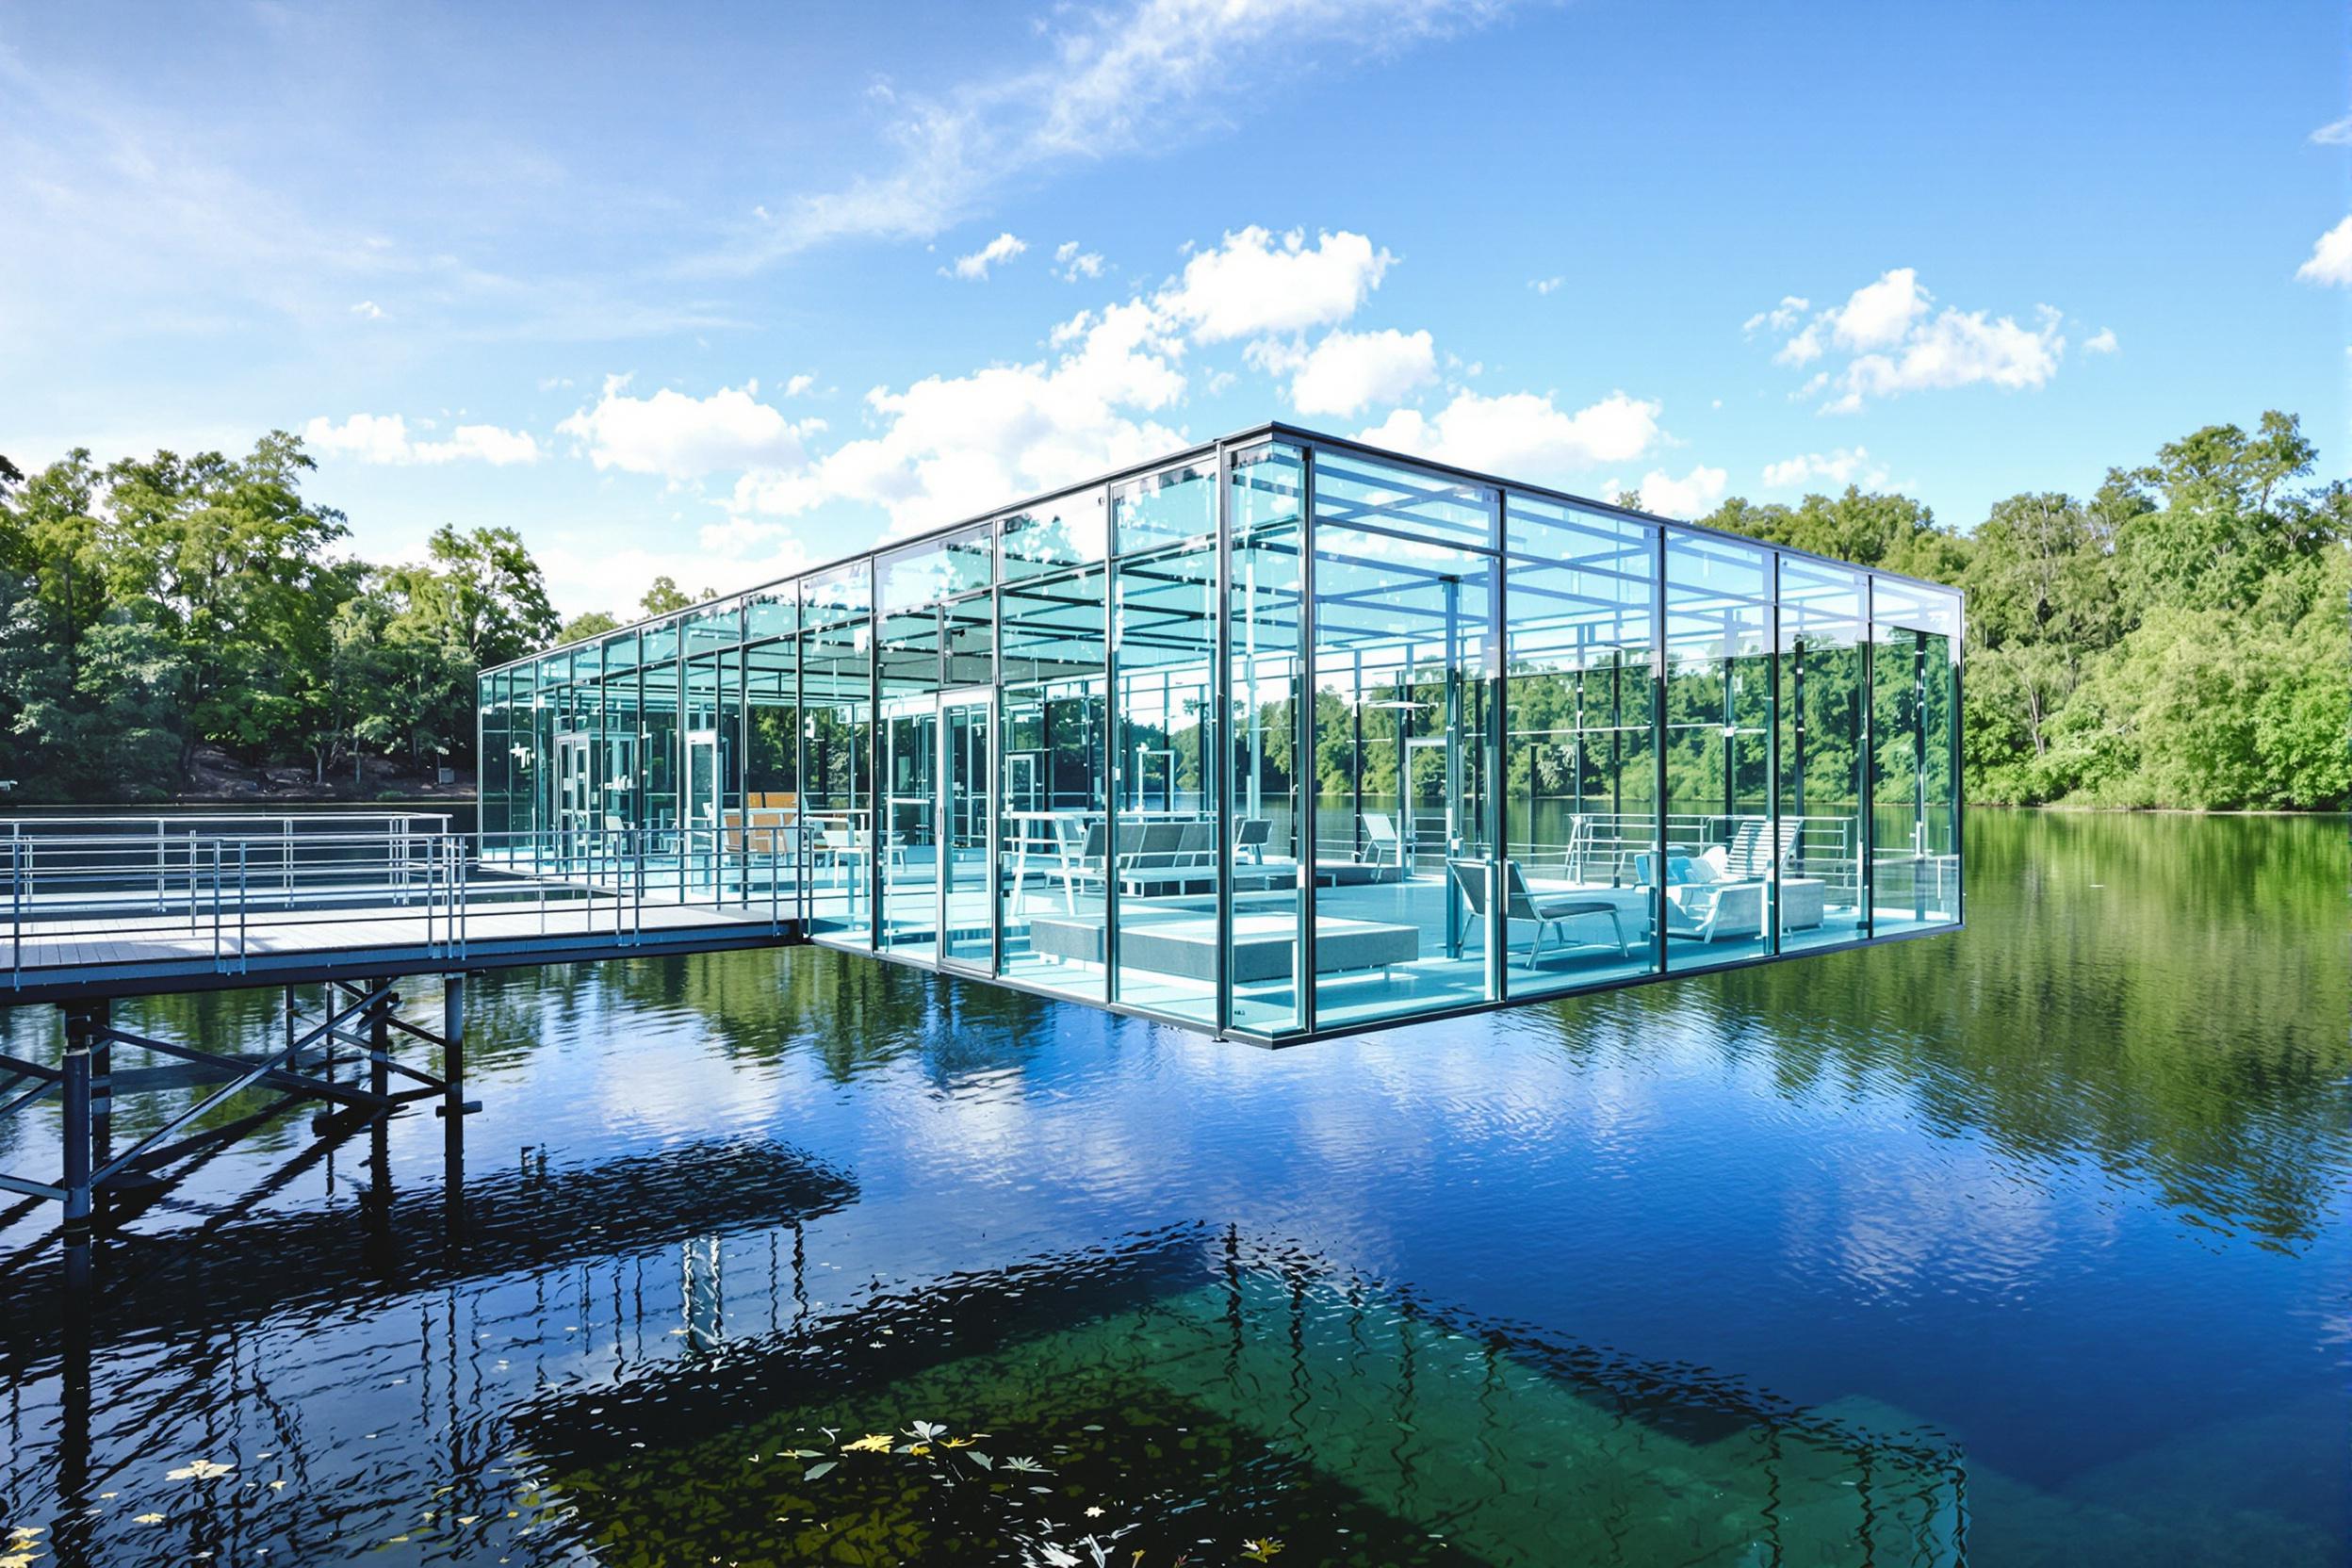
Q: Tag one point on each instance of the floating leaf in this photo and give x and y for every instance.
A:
(983, 1460)
(199, 1470)
(816, 1470)
(148, 1519)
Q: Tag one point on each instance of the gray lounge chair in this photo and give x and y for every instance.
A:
(1545, 912)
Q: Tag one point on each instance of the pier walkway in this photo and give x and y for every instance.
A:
(119, 905)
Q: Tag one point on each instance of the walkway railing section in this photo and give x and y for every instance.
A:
(122, 889)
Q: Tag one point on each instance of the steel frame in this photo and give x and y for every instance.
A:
(363, 1016)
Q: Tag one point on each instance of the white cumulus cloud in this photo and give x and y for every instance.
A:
(1256, 283)
(1694, 495)
(1545, 285)
(1879, 314)
(2101, 342)
(951, 445)
(1346, 371)
(386, 438)
(1894, 340)
(681, 437)
(1071, 263)
(1844, 466)
(2331, 259)
(1523, 434)
(2336, 133)
(1781, 317)
(974, 267)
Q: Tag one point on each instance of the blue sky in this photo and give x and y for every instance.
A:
(718, 292)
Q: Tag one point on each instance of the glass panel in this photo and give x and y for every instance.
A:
(908, 841)
(927, 573)
(836, 674)
(1720, 855)
(771, 817)
(1053, 855)
(967, 809)
(620, 786)
(1915, 846)
(1580, 755)
(1352, 488)
(1403, 840)
(491, 761)
(1167, 508)
(1821, 753)
(657, 836)
(1261, 687)
(710, 730)
(1070, 531)
(1166, 837)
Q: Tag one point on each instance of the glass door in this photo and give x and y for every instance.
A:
(698, 845)
(575, 799)
(966, 831)
(911, 842)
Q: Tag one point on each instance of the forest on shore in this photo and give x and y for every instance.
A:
(2180, 637)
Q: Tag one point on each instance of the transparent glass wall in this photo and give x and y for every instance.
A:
(766, 832)
(1163, 773)
(1915, 822)
(1404, 741)
(1579, 745)
(837, 755)
(1823, 623)
(1722, 854)
(1551, 745)
(1263, 626)
(1053, 856)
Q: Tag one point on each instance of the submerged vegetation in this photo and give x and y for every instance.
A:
(2174, 639)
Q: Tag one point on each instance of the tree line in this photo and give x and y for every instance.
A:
(2179, 637)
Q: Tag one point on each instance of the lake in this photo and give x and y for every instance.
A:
(2026, 1244)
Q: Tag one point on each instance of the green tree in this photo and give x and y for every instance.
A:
(666, 595)
(587, 624)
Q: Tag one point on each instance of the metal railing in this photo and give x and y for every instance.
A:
(119, 890)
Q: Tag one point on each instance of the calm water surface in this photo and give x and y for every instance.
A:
(2024, 1245)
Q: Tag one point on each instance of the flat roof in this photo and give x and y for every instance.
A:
(1270, 430)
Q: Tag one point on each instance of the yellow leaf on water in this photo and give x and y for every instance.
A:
(148, 1519)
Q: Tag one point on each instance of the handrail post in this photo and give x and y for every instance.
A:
(242, 901)
(160, 857)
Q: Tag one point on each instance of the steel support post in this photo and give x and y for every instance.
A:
(380, 1040)
(81, 1026)
(453, 1046)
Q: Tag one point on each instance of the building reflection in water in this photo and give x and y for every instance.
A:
(588, 1355)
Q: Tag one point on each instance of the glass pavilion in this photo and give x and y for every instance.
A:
(1554, 745)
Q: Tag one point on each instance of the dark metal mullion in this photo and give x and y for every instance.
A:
(1000, 799)
(1114, 754)
(1220, 690)
(1771, 765)
(1497, 666)
(1658, 741)
(1866, 875)
(1302, 745)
